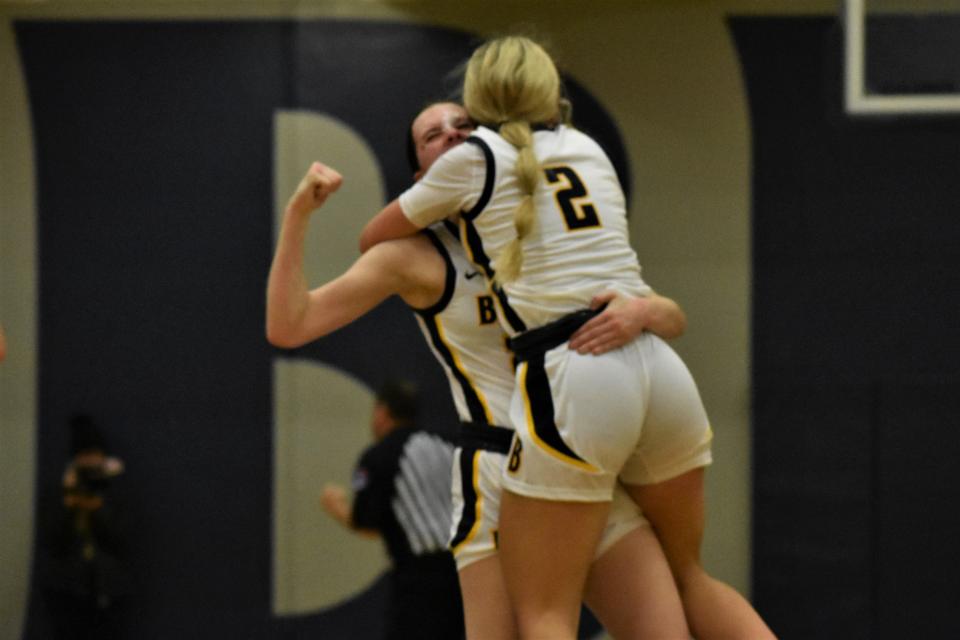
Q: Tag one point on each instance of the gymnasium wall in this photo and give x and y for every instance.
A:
(184, 423)
(146, 149)
(855, 299)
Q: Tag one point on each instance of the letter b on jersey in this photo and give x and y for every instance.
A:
(486, 311)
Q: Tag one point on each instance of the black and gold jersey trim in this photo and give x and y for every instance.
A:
(516, 323)
(488, 181)
(469, 519)
(450, 281)
(478, 412)
(452, 228)
(474, 244)
(536, 388)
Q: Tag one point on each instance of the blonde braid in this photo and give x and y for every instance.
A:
(511, 83)
(510, 262)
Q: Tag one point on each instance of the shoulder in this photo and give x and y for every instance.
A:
(486, 134)
(395, 250)
(394, 442)
(487, 142)
(576, 145)
(573, 137)
(382, 456)
(431, 439)
(369, 460)
(463, 156)
(427, 448)
(402, 256)
(417, 266)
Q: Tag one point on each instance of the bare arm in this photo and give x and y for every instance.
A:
(297, 315)
(625, 318)
(389, 224)
(334, 501)
(449, 186)
(294, 320)
(287, 296)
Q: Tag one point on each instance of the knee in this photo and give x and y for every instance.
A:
(547, 624)
(688, 574)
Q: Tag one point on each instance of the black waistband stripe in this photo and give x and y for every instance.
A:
(542, 339)
(537, 388)
(487, 437)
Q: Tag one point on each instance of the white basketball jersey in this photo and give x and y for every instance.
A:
(579, 244)
(465, 336)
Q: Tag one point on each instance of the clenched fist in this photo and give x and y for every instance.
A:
(319, 182)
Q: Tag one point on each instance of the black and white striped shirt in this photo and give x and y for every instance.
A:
(402, 489)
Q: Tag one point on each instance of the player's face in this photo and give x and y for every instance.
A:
(437, 129)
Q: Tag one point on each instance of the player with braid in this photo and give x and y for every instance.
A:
(583, 424)
(630, 588)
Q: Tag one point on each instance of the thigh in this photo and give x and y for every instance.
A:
(546, 548)
(676, 435)
(486, 607)
(675, 509)
(631, 590)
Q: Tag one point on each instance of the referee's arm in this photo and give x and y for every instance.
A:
(335, 502)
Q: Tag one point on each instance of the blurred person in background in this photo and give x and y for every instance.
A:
(84, 579)
(401, 493)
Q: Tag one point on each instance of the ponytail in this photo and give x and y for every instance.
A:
(510, 261)
(512, 82)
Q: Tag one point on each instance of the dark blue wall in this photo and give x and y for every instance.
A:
(856, 292)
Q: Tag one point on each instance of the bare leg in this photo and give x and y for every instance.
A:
(486, 607)
(714, 610)
(546, 548)
(632, 593)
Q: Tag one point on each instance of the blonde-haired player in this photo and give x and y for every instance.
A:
(630, 588)
(542, 214)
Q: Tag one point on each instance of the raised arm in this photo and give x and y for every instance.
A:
(625, 318)
(389, 224)
(288, 298)
(296, 315)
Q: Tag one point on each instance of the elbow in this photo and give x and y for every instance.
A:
(671, 321)
(282, 337)
(680, 324)
(366, 241)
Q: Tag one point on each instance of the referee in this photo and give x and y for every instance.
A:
(401, 492)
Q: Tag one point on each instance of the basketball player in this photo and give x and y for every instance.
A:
(630, 588)
(544, 219)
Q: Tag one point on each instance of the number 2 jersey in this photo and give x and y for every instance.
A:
(579, 244)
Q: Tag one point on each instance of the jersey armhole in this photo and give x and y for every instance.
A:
(450, 279)
(488, 180)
